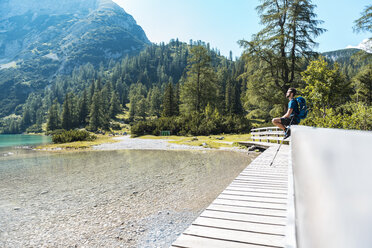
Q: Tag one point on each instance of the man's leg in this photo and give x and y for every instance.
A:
(277, 122)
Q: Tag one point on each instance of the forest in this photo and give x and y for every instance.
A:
(190, 89)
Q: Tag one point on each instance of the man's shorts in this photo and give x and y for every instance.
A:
(287, 121)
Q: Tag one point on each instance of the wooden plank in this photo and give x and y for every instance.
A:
(240, 226)
(258, 190)
(268, 133)
(278, 174)
(270, 170)
(249, 187)
(203, 242)
(244, 217)
(264, 185)
(274, 173)
(266, 138)
(260, 171)
(240, 236)
(251, 198)
(248, 210)
(263, 145)
(260, 181)
(267, 186)
(264, 177)
(265, 128)
(255, 194)
(250, 204)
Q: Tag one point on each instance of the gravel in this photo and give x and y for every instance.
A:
(125, 142)
(122, 198)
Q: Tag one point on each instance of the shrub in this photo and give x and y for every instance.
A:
(115, 126)
(34, 129)
(193, 124)
(72, 136)
(54, 132)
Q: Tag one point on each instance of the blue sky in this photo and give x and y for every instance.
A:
(223, 22)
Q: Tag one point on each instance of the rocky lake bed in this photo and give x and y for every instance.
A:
(110, 198)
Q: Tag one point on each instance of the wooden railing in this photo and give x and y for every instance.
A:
(267, 134)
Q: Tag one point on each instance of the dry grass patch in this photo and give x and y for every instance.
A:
(211, 141)
(101, 139)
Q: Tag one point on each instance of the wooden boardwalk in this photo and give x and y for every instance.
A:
(250, 212)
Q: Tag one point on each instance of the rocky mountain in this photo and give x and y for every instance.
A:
(40, 39)
(70, 31)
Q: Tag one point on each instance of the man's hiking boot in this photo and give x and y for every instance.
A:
(287, 133)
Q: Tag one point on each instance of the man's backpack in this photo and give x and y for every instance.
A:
(302, 107)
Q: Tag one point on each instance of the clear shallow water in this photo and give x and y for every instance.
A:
(13, 144)
(100, 198)
(10, 140)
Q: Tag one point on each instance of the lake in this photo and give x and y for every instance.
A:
(123, 198)
(9, 141)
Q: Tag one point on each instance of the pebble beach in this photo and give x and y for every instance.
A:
(133, 193)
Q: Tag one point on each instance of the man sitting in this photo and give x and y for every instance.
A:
(291, 117)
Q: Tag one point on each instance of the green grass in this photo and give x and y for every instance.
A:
(101, 139)
(212, 141)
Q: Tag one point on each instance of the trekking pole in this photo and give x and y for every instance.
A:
(281, 143)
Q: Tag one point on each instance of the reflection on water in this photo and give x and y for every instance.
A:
(79, 189)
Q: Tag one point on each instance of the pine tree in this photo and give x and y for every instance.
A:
(136, 94)
(114, 106)
(168, 101)
(96, 115)
(67, 121)
(177, 99)
(363, 83)
(142, 107)
(75, 110)
(364, 23)
(83, 109)
(155, 101)
(199, 88)
(53, 122)
(26, 119)
(92, 89)
(288, 34)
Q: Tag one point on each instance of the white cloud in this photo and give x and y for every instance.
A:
(365, 45)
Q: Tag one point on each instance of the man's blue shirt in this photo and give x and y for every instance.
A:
(294, 105)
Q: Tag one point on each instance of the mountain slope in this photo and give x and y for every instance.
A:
(40, 39)
(342, 54)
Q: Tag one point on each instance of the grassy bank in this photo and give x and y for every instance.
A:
(101, 139)
(211, 141)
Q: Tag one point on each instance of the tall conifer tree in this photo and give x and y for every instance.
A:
(289, 31)
(168, 101)
(83, 109)
(67, 122)
(114, 105)
(96, 115)
(199, 88)
(53, 122)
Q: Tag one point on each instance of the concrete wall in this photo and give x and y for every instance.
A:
(333, 187)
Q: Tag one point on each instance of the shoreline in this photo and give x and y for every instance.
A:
(202, 143)
(128, 143)
(116, 198)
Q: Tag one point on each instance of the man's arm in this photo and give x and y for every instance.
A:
(288, 114)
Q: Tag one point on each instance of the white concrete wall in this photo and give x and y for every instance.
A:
(333, 187)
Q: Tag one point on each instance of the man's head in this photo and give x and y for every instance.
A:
(291, 92)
